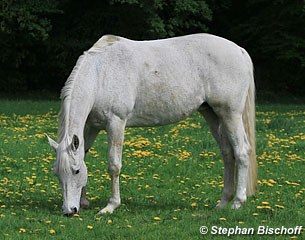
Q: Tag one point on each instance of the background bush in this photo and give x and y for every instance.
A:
(41, 40)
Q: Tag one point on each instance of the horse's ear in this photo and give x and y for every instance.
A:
(75, 143)
(53, 144)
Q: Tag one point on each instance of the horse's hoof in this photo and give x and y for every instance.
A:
(105, 211)
(222, 204)
(236, 204)
(109, 208)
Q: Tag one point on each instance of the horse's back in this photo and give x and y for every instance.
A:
(162, 81)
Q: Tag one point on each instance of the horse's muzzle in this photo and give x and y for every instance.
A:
(70, 214)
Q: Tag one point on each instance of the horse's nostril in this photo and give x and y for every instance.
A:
(74, 210)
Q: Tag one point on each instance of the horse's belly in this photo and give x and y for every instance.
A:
(147, 120)
(158, 114)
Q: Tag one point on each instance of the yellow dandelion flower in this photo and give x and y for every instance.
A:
(52, 231)
(157, 219)
(263, 207)
(222, 219)
(109, 221)
(265, 203)
(22, 230)
(90, 227)
(279, 206)
(194, 204)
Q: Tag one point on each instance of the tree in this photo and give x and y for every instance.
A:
(41, 40)
(24, 31)
(272, 31)
(172, 18)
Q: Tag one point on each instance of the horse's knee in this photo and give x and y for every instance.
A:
(243, 162)
(114, 168)
(226, 148)
(242, 156)
(227, 154)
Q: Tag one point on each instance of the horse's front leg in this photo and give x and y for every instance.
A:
(84, 203)
(115, 132)
(90, 134)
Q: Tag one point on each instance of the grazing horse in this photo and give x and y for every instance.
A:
(122, 83)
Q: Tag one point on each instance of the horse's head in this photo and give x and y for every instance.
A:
(71, 171)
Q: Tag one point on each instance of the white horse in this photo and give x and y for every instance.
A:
(122, 83)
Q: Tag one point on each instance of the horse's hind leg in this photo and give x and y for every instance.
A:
(235, 132)
(226, 150)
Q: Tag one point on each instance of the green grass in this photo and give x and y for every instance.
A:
(173, 173)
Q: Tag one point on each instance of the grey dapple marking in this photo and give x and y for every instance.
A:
(122, 83)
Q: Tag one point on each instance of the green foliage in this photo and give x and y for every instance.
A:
(24, 30)
(172, 18)
(41, 40)
(27, 17)
(273, 34)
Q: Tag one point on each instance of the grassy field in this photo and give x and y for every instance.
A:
(171, 179)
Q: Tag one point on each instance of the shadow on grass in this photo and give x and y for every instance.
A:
(139, 206)
(36, 204)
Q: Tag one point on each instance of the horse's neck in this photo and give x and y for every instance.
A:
(79, 111)
(77, 99)
(80, 108)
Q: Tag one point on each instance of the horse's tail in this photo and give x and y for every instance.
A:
(249, 124)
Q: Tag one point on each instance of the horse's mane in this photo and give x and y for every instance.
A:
(63, 117)
(65, 96)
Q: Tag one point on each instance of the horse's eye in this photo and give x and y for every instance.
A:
(77, 172)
